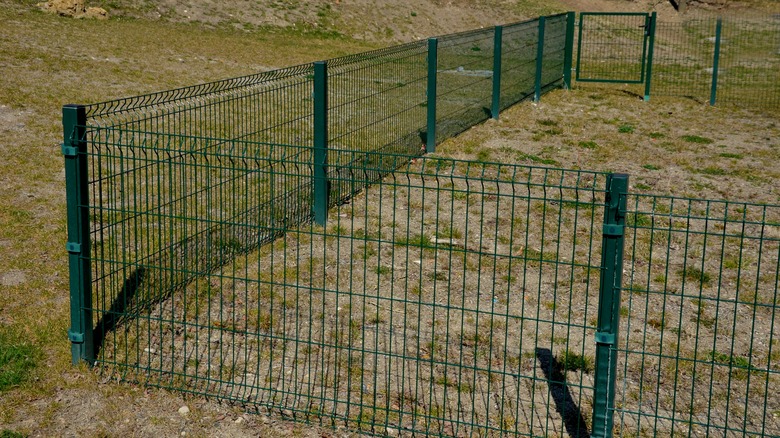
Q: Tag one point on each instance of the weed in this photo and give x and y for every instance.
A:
(547, 122)
(695, 274)
(697, 139)
(641, 186)
(728, 155)
(571, 361)
(712, 170)
(17, 360)
(588, 144)
(656, 135)
(651, 167)
(626, 129)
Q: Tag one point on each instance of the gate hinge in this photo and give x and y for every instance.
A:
(73, 248)
(76, 337)
(614, 230)
(605, 338)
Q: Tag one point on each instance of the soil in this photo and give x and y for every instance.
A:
(88, 404)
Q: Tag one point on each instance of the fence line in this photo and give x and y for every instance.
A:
(281, 241)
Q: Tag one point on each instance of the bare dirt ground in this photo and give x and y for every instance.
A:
(63, 401)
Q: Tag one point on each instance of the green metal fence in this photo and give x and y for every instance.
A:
(280, 240)
(733, 60)
(699, 350)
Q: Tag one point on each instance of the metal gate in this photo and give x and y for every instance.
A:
(615, 47)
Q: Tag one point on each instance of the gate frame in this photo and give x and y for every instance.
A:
(647, 49)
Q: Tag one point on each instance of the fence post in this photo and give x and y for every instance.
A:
(651, 49)
(569, 55)
(539, 59)
(610, 284)
(74, 148)
(433, 66)
(320, 182)
(716, 61)
(498, 37)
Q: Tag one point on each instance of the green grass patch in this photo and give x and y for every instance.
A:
(712, 170)
(656, 135)
(571, 361)
(697, 139)
(692, 273)
(651, 167)
(626, 129)
(17, 360)
(547, 122)
(588, 144)
(728, 155)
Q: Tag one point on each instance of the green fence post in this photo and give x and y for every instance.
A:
(610, 284)
(539, 59)
(569, 55)
(74, 148)
(498, 36)
(320, 183)
(651, 42)
(433, 66)
(716, 62)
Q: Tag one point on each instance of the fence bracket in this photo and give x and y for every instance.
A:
(605, 338)
(69, 151)
(73, 247)
(614, 230)
(75, 337)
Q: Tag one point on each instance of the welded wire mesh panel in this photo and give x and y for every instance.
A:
(683, 59)
(700, 346)
(554, 51)
(274, 107)
(749, 65)
(518, 61)
(167, 209)
(377, 102)
(612, 47)
(465, 81)
(449, 298)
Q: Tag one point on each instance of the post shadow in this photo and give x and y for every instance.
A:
(109, 320)
(564, 403)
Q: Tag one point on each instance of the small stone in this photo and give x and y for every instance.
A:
(239, 420)
(184, 410)
(391, 432)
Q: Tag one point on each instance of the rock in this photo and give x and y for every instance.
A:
(96, 13)
(73, 8)
(184, 411)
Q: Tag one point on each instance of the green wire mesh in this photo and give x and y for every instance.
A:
(443, 299)
(700, 345)
(749, 64)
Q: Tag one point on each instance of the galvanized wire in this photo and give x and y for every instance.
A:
(444, 299)
(749, 61)
(465, 81)
(554, 52)
(518, 67)
(700, 338)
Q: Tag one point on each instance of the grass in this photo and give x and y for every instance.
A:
(49, 61)
(18, 360)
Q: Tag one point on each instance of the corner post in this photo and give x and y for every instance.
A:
(569, 55)
(74, 148)
(716, 62)
(539, 60)
(433, 65)
(498, 37)
(610, 284)
(651, 40)
(320, 182)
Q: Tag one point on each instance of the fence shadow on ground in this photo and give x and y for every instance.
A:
(571, 414)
